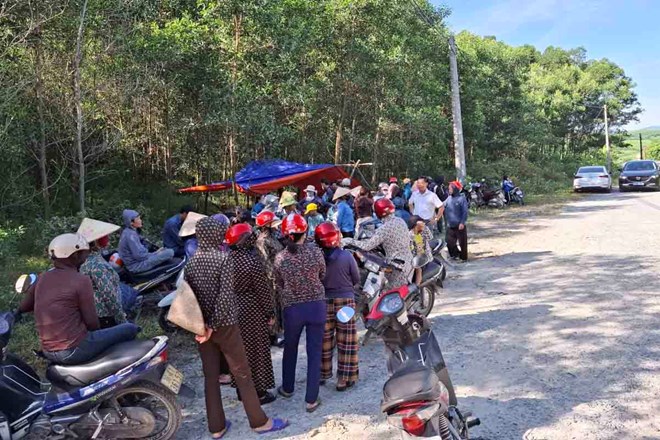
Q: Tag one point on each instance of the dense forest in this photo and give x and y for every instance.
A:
(110, 102)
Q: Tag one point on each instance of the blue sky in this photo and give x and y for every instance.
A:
(624, 31)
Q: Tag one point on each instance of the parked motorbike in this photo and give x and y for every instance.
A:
(129, 391)
(419, 397)
(158, 279)
(516, 195)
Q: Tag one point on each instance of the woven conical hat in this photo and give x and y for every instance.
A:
(341, 192)
(92, 229)
(189, 224)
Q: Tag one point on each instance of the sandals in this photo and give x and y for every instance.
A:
(283, 393)
(314, 406)
(222, 433)
(224, 379)
(278, 425)
(348, 386)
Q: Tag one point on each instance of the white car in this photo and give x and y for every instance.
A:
(592, 178)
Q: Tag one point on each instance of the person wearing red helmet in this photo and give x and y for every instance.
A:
(268, 246)
(254, 298)
(299, 271)
(456, 209)
(341, 276)
(393, 237)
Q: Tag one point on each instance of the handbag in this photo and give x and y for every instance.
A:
(185, 312)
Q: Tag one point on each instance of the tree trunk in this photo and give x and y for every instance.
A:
(238, 20)
(42, 156)
(340, 129)
(77, 60)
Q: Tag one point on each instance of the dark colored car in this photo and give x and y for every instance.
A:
(639, 174)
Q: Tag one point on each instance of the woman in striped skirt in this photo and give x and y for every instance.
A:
(341, 276)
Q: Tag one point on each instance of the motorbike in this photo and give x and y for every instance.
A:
(373, 272)
(516, 195)
(160, 278)
(129, 391)
(472, 193)
(418, 397)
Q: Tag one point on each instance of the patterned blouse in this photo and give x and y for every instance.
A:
(393, 236)
(299, 275)
(210, 275)
(251, 283)
(105, 280)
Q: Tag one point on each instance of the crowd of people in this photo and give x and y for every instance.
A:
(260, 277)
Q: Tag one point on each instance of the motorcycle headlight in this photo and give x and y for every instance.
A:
(372, 267)
(391, 304)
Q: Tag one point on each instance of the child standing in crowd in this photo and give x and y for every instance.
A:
(341, 277)
(313, 218)
(420, 236)
(299, 270)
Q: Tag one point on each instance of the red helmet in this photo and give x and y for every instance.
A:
(294, 224)
(236, 233)
(327, 235)
(384, 207)
(265, 218)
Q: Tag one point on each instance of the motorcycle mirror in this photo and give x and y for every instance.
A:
(24, 282)
(345, 314)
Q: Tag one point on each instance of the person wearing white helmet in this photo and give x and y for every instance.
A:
(62, 300)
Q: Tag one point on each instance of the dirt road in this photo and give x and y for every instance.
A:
(550, 332)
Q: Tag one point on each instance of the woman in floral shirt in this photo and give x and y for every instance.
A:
(105, 280)
(299, 271)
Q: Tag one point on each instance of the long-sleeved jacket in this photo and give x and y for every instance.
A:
(131, 247)
(210, 275)
(170, 233)
(456, 210)
(63, 304)
(393, 236)
(105, 280)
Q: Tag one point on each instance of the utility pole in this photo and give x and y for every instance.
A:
(459, 147)
(641, 149)
(607, 142)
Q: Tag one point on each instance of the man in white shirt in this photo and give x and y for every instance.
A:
(425, 203)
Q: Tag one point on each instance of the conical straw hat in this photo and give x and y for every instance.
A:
(189, 224)
(92, 229)
(341, 192)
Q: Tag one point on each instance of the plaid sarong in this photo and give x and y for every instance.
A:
(344, 336)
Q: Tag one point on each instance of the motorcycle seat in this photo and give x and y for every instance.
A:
(107, 363)
(411, 383)
(429, 271)
(142, 277)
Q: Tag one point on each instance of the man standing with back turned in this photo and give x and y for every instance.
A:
(455, 210)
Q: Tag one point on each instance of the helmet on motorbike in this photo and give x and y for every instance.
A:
(237, 233)
(384, 207)
(65, 245)
(327, 235)
(294, 224)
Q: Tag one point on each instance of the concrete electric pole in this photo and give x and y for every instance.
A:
(607, 142)
(459, 147)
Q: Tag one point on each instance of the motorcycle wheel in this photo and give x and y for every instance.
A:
(424, 301)
(160, 401)
(164, 324)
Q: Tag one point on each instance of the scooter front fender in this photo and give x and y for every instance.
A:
(167, 300)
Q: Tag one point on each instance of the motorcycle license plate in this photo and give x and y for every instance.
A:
(372, 285)
(172, 379)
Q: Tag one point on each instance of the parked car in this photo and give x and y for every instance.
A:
(592, 178)
(639, 174)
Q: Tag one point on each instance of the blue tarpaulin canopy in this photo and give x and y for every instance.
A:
(264, 176)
